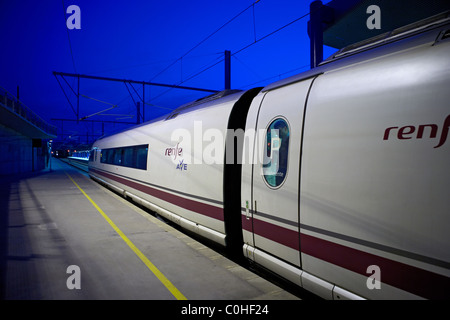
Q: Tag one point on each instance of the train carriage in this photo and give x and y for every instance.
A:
(340, 180)
(181, 175)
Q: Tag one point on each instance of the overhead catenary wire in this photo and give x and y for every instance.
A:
(205, 39)
(68, 37)
(215, 63)
(270, 34)
(203, 69)
(208, 67)
(100, 112)
(146, 64)
(101, 101)
(241, 49)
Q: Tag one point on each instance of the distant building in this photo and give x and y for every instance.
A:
(25, 139)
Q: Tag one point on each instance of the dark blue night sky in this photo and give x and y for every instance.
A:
(138, 40)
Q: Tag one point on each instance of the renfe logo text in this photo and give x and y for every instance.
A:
(419, 132)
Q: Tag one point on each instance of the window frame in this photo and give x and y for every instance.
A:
(265, 151)
(116, 156)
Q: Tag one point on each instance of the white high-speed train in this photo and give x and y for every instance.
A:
(337, 179)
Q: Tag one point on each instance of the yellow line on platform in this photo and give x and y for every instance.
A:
(176, 293)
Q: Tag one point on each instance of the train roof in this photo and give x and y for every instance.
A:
(365, 50)
(205, 102)
(202, 102)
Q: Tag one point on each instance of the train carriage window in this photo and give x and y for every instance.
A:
(131, 157)
(110, 156)
(276, 153)
(104, 156)
(141, 157)
(118, 156)
(128, 157)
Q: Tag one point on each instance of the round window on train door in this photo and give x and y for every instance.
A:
(275, 160)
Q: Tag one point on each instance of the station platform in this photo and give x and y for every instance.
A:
(66, 237)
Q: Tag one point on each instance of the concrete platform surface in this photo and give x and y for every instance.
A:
(56, 244)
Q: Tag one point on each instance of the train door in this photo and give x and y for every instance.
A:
(275, 180)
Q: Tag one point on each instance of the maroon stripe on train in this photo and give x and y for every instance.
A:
(423, 283)
(418, 281)
(287, 237)
(192, 205)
